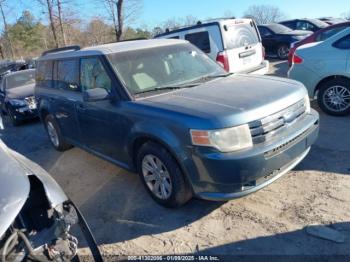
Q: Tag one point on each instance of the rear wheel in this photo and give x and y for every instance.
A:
(334, 97)
(55, 135)
(162, 176)
(283, 51)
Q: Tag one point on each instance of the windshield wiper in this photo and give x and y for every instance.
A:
(166, 88)
(218, 76)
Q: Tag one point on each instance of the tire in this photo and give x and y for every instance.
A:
(55, 134)
(334, 97)
(14, 121)
(282, 51)
(178, 191)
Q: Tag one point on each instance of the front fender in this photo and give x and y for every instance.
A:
(173, 141)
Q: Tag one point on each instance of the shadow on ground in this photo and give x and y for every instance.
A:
(289, 244)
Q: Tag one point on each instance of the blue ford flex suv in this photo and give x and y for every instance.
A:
(164, 109)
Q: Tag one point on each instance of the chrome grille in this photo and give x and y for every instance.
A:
(263, 129)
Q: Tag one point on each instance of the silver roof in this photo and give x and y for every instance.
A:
(112, 48)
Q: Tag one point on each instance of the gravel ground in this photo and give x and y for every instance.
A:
(125, 221)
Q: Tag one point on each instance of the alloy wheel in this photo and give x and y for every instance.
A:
(156, 176)
(52, 134)
(337, 98)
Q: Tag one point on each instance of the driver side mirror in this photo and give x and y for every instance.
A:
(95, 94)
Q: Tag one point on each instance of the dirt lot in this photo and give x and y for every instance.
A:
(126, 221)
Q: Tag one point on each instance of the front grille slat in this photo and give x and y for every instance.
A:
(265, 128)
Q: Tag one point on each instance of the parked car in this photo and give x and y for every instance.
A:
(277, 39)
(8, 66)
(35, 214)
(305, 24)
(320, 35)
(165, 109)
(332, 20)
(234, 43)
(17, 96)
(324, 68)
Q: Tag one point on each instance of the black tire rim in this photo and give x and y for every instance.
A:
(283, 52)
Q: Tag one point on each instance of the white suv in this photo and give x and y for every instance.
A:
(234, 43)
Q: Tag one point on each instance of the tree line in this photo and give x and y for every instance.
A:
(28, 36)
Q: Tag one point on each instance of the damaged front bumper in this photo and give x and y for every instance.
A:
(36, 216)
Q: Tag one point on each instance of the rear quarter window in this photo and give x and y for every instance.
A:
(44, 71)
(343, 43)
(200, 39)
(240, 35)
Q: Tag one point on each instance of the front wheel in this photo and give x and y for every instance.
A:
(334, 97)
(55, 135)
(162, 176)
(282, 52)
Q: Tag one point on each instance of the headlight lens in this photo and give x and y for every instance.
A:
(225, 140)
(17, 102)
(307, 104)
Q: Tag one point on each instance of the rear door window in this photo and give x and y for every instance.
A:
(67, 74)
(44, 71)
(200, 39)
(241, 35)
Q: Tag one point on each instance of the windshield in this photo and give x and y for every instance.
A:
(20, 79)
(279, 29)
(162, 67)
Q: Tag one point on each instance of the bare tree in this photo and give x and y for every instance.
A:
(59, 9)
(264, 14)
(190, 20)
(48, 5)
(8, 38)
(122, 13)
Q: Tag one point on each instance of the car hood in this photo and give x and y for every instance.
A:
(233, 100)
(15, 186)
(14, 189)
(20, 92)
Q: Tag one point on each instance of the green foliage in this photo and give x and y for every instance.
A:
(27, 34)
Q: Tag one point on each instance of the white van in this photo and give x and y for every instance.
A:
(234, 43)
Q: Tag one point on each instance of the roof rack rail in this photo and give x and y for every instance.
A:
(199, 22)
(61, 49)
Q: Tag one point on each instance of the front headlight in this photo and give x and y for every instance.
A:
(17, 102)
(225, 140)
(307, 104)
